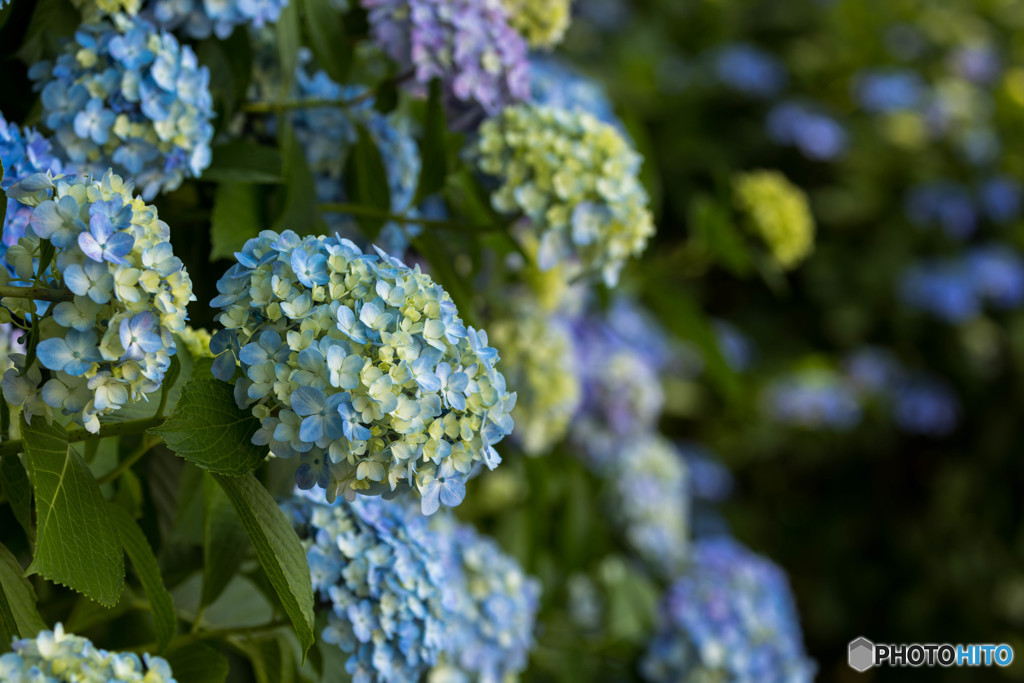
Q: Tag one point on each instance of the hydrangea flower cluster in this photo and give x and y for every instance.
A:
(381, 570)
(200, 18)
(575, 180)
(327, 162)
(493, 617)
(651, 501)
(730, 617)
(24, 152)
(129, 97)
(956, 289)
(554, 84)
(778, 213)
(54, 656)
(749, 70)
(197, 342)
(11, 343)
(467, 44)
(537, 352)
(111, 342)
(813, 398)
(360, 366)
(95, 10)
(542, 22)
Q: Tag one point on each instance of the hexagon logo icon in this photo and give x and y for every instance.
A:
(862, 654)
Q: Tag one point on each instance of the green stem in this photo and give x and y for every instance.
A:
(82, 434)
(125, 464)
(37, 293)
(189, 638)
(308, 103)
(369, 212)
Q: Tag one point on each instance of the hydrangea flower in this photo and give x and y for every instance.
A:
(381, 570)
(997, 273)
(197, 341)
(359, 366)
(554, 84)
(749, 70)
(731, 616)
(819, 137)
(201, 18)
(59, 656)
(736, 348)
(873, 370)
(542, 22)
(943, 203)
(575, 181)
(95, 10)
(111, 342)
(886, 91)
(129, 97)
(315, 125)
(814, 398)
(24, 152)
(537, 352)
(1002, 198)
(927, 406)
(651, 500)
(493, 615)
(941, 288)
(777, 211)
(12, 341)
(467, 44)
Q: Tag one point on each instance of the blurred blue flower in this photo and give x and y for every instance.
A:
(943, 203)
(1001, 197)
(815, 398)
(873, 370)
(555, 84)
(736, 348)
(732, 617)
(749, 70)
(201, 18)
(941, 288)
(997, 273)
(818, 137)
(883, 91)
(976, 63)
(927, 406)
(24, 152)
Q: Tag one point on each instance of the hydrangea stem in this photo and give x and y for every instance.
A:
(307, 103)
(36, 293)
(81, 434)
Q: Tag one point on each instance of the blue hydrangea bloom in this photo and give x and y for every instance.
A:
(943, 289)
(495, 606)
(555, 84)
(997, 273)
(749, 70)
(467, 44)
(112, 342)
(651, 502)
(382, 572)
(873, 370)
(818, 136)
(360, 368)
(731, 616)
(128, 97)
(736, 348)
(24, 152)
(54, 656)
(710, 483)
(927, 406)
(201, 18)
(314, 126)
(945, 204)
(977, 63)
(815, 398)
(1002, 198)
(883, 91)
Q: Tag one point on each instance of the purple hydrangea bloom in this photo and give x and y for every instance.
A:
(467, 44)
(730, 617)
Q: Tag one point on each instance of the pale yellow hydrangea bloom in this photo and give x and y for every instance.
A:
(542, 22)
(778, 213)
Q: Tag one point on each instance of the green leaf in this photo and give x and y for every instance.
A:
(141, 555)
(713, 229)
(245, 162)
(301, 211)
(272, 660)
(235, 218)
(225, 544)
(77, 544)
(278, 548)
(289, 38)
(18, 490)
(367, 180)
(18, 614)
(197, 663)
(433, 151)
(210, 432)
(468, 198)
(326, 31)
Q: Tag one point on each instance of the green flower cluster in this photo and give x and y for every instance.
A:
(575, 180)
(542, 22)
(778, 212)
